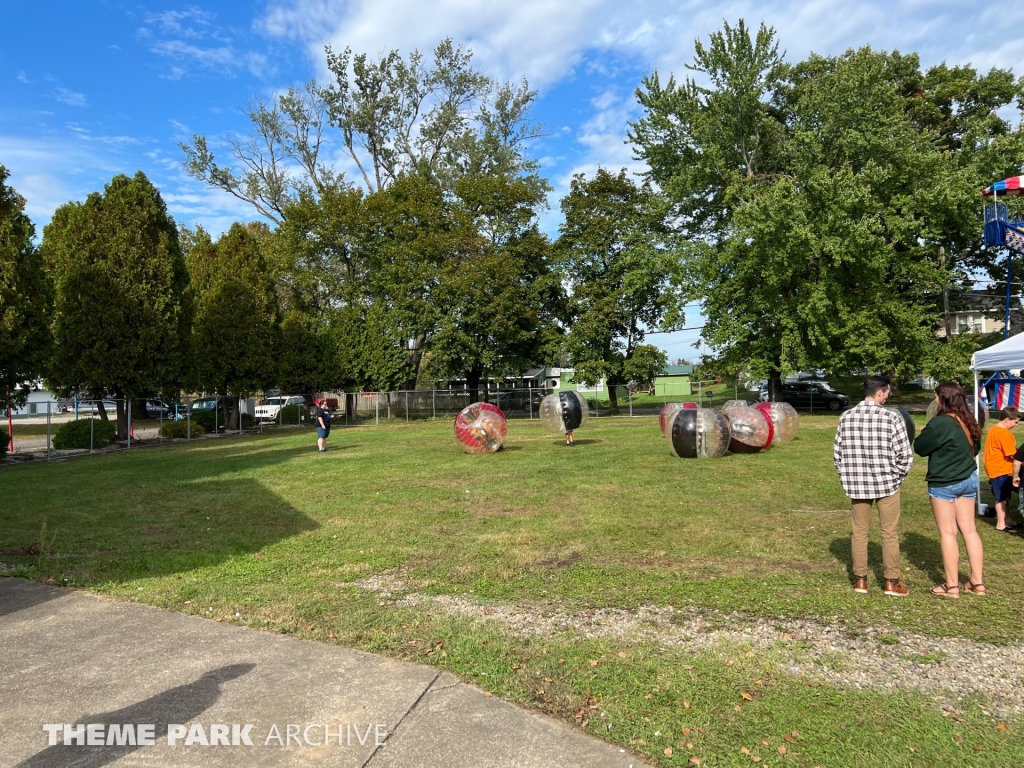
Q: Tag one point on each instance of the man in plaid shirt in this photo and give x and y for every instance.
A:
(872, 454)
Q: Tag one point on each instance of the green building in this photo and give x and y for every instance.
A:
(673, 382)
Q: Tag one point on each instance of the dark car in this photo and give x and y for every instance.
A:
(814, 395)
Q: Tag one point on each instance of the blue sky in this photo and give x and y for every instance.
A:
(92, 88)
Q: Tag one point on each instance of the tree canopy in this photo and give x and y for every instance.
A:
(122, 311)
(24, 300)
(620, 281)
(809, 202)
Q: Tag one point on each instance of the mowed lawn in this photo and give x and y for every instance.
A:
(267, 528)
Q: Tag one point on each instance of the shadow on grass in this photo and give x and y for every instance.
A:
(925, 554)
(120, 518)
(840, 549)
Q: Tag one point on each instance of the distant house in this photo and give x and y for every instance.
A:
(35, 405)
(674, 381)
(982, 312)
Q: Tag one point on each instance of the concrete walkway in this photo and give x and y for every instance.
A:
(68, 658)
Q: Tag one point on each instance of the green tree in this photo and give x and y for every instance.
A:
(236, 334)
(24, 300)
(820, 252)
(396, 116)
(497, 294)
(620, 281)
(122, 310)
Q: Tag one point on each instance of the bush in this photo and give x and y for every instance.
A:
(290, 415)
(172, 429)
(206, 419)
(4, 437)
(75, 434)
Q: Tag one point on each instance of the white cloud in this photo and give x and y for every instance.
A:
(69, 97)
(191, 38)
(545, 40)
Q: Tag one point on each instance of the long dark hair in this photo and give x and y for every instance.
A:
(953, 401)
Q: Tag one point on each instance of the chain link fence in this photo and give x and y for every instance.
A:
(40, 430)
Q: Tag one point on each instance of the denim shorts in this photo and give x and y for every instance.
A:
(1002, 487)
(967, 489)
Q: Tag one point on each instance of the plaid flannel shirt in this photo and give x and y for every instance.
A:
(872, 451)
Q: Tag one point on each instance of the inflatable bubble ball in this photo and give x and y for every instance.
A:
(749, 430)
(564, 411)
(784, 419)
(933, 407)
(697, 433)
(481, 428)
(666, 413)
(908, 420)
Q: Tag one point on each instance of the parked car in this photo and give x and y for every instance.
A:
(91, 406)
(810, 395)
(327, 403)
(268, 410)
(158, 409)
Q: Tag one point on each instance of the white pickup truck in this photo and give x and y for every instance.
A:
(268, 409)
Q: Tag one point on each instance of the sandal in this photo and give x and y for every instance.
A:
(944, 590)
(975, 589)
(1007, 529)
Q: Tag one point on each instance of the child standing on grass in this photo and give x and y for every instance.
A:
(1000, 447)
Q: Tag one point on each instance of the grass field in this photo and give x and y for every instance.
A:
(267, 528)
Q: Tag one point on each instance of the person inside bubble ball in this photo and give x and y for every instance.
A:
(487, 432)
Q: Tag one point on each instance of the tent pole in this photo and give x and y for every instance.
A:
(977, 458)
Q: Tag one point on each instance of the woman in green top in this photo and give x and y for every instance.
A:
(951, 440)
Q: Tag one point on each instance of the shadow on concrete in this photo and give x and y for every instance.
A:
(176, 705)
(19, 594)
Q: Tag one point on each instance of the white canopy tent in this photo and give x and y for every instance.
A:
(1007, 354)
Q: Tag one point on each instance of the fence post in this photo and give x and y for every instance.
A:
(188, 420)
(161, 432)
(239, 415)
(407, 406)
(129, 409)
(47, 430)
(433, 405)
(376, 406)
(92, 429)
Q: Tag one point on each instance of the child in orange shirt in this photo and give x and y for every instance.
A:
(1000, 446)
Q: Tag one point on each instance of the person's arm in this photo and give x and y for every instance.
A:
(928, 441)
(1008, 446)
(837, 449)
(1016, 472)
(903, 455)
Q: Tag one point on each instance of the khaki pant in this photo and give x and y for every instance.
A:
(889, 519)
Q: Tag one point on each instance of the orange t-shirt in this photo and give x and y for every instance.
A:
(999, 449)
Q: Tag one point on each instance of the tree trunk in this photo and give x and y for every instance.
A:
(473, 385)
(613, 399)
(775, 386)
(122, 418)
(139, 409)
(388, 399)
(231, 411)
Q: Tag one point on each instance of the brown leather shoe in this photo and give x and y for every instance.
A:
(893, 588)
(861, 585)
